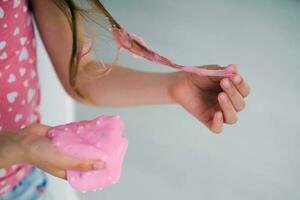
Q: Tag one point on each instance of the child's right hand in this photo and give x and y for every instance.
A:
(34, 147)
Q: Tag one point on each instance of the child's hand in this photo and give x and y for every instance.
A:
(212, 100)
(39, 152)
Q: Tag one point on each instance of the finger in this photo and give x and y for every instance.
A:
(68, 162)
(60, 174)
(228, 110)
(232, 69)
(55, 172)
(241, 85)
(37, 129)
(233, 94)
(90, 165)
(217, 122)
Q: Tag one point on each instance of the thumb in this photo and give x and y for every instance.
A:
(37, 129)
(69, 162)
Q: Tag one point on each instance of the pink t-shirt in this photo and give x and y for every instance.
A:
(19, 85)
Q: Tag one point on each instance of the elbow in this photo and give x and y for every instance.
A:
(78, 95)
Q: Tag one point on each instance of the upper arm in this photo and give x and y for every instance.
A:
(56, 35)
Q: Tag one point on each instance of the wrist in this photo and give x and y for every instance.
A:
(175, 79)
(11, 150)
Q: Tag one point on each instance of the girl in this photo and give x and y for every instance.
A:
(213, 101)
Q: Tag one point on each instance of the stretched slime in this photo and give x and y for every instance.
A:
(102, 139)
(138, 47)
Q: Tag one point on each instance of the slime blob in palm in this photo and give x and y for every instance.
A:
(102, 139)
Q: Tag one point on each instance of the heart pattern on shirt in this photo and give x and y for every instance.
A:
(11, 97)
(1, 13)
(23, 40)
(25, 83)
(3, 56)
(30, 94)
(22, 71)
(16, 3)
(23, 55)
(33, 74)
(12, 78)
(18, 117)
(16, 31)
(2, 45)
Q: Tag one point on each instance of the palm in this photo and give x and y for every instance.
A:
(198, 95)
(43, 154)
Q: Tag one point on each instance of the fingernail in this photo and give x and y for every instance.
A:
(237, 79)
(223, 97)
(99, 165)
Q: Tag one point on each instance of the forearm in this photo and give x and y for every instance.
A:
(129, 87)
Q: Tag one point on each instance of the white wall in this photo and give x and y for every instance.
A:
(171, 155)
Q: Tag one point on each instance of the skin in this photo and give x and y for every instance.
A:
(30, 145)
(213, 101)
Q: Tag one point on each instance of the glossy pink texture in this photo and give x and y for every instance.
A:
(101, 139)
(138, 47)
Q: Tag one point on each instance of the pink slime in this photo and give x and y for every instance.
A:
(138, 47)
(101, 138)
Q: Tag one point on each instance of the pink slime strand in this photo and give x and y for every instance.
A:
(132, 43)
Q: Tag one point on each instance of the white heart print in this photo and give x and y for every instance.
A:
(2, 45)
(18, 117)
(23, 40)
(3, 56)
(22, 71)
(30, 94)
(11, 97)
(16, 3)
(25, 83)
(1, 13)
(12, 78)
(16, 31)
(23, 55)
(33, 74)
(25, 8)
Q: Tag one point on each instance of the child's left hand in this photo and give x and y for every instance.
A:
(212, 100)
